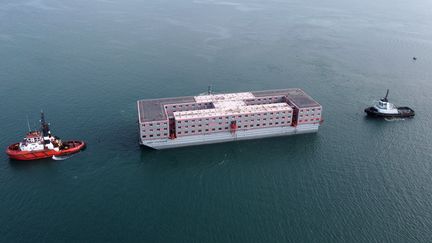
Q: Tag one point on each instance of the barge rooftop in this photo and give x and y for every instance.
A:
(153, 109)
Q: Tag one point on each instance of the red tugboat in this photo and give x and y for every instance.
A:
(41, 144)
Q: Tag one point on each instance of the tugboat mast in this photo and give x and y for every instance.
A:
(28, 124)
(44, 126)
(385, 98)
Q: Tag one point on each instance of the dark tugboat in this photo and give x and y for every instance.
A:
(41, 144)
(386, 109)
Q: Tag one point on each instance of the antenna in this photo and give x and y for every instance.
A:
(209, 90)
(387, 93)
(28, 124)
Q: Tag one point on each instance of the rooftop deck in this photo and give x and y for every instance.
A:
(298, 96)
(231, 110)
(153, 109)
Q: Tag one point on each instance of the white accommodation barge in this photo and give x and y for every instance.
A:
(214, 118)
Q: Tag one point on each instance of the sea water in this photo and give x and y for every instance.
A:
(85, 63)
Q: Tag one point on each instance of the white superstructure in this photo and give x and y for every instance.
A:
(385, 107)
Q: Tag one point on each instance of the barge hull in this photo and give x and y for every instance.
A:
(229, 137)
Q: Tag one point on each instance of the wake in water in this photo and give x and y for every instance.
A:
(62, 157)
(394, 119)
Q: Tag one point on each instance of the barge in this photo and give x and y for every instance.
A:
(214, 118)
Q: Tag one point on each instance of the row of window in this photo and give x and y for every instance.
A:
(155, 124)
(269, 98)
(306, 120)
(227, 128)
(308, 110)
(235, 117)
(255, 102)
(157, 129)
(318, 114)
(189, 105)
(239, 122)
(155, 135)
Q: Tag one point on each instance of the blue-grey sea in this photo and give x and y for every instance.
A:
(86, 62)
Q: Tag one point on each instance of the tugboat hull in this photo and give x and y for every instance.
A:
(68, 148)
(403, 112)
